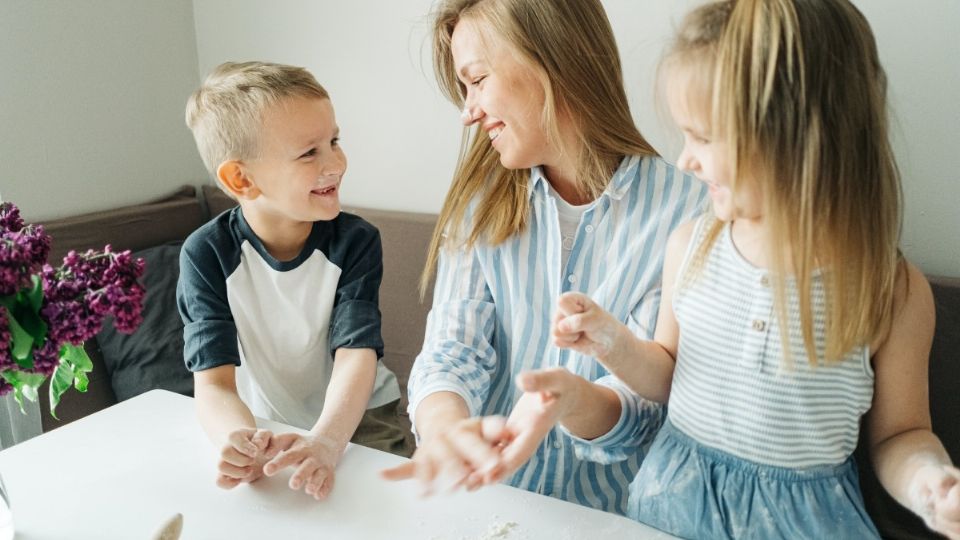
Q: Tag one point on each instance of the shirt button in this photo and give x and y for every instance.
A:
(588, 228)
(572, 278)
(765, 281)
(557, 445)
(759, 325)
(568, 243)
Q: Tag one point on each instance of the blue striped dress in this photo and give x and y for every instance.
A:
(492, 308)
(754, 447)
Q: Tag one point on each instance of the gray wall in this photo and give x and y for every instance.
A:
(92, 97)
(91, 103)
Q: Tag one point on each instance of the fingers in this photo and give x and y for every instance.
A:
(240, 439)
(552, 380)
(261, 440)
(228, 482)
(285, 453)
(400, 472)
(572, 302)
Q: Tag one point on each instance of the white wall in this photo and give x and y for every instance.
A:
(92, 96)
(402, 138)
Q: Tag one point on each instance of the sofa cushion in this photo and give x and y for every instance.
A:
(151, 357)
(134, 227)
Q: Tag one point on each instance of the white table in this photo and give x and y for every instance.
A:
(120, 472)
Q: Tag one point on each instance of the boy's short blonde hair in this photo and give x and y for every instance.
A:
(226, 112)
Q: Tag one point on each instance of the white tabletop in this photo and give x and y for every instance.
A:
(121, 472)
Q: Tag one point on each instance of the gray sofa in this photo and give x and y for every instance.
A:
(405, 239)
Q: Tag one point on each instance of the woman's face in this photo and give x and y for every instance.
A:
(503, 96)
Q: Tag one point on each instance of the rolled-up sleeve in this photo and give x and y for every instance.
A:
(639, 422)
(458, 354)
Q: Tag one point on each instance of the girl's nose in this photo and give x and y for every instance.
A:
(686, 161)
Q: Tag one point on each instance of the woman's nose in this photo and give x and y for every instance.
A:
(471, 112)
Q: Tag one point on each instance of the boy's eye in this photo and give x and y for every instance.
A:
(335, 141)
(309, 153)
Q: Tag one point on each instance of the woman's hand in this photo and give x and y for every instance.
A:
(548, 396)
(465, 455)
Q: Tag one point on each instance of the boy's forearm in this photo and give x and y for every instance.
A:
(643, 365)
(221, 412)
(348, 393)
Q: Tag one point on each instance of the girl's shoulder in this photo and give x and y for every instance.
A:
(914, 314)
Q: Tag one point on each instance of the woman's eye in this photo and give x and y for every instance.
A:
(478, 80)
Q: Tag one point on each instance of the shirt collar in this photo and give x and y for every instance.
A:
(622, 178)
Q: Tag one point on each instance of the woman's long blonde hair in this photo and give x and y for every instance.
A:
(569, 46)
(798, 95)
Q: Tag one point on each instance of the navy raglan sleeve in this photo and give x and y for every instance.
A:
(209, 332)
(355, 323)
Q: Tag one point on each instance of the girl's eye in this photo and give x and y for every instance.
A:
(478, 80)
(309, 153)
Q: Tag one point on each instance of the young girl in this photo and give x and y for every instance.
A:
(787, 314)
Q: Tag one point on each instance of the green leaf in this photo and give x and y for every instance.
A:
(60, 383)
(30, 321)
(21, 342)
(77, 357)
(35, 294)
(24, 385)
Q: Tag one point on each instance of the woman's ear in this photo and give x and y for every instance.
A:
(234, 179)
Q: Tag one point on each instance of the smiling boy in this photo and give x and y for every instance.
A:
(279, 296)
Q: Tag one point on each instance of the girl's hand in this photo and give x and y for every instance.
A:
(935, 496)
(466, 455)
(582, 325)
(315, 457)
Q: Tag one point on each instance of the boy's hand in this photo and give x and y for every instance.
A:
(242, 458)
(315, 458)
(582, 325)
(466, 455)
(935, 496)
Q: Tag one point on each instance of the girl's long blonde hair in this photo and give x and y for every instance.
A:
(570, 47)
(798, 95)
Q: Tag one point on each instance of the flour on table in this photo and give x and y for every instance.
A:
(498, 531)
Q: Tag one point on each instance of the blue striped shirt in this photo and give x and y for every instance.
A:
(492, 308)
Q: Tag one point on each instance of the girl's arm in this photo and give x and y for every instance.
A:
(645, 366)
(909, 459)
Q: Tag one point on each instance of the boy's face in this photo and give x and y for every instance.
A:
(301, 163)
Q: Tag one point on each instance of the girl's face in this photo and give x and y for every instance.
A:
(503, 96)
(706, 155)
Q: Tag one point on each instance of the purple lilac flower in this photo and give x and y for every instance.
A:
(89, 287)
(6, 358)
(10, 220)
(22, 254)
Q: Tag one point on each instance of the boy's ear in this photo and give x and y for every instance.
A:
(233, 178)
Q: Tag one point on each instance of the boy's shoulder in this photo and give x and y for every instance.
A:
(214, 247)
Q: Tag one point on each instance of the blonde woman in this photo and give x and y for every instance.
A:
(787, 314)
(556, 191)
